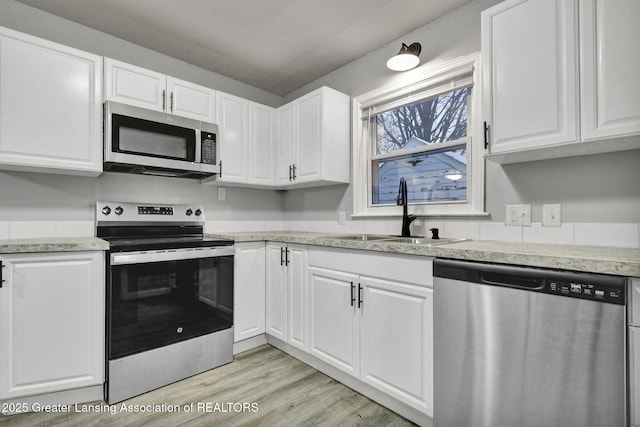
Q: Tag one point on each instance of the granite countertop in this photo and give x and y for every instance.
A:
(595, 259)
(52, 244)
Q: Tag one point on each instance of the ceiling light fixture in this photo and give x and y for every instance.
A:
(406, 59)
(453, 175)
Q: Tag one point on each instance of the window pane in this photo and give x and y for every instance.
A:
(438, 119)
(434, 176)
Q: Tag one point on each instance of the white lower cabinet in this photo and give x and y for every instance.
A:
(286, 293)
(334, 323)
(52, 311)
(377, 329)
(396, 340)
(249, 290)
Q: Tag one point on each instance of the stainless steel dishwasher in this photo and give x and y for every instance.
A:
(523, 347)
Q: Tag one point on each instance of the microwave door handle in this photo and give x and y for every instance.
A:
(125, 258)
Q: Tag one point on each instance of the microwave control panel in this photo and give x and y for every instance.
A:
(208, 146)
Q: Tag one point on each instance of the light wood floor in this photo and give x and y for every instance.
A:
(286, 391)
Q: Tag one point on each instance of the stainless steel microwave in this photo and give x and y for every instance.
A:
(142, 141)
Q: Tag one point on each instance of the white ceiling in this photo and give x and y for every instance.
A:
(275, 45)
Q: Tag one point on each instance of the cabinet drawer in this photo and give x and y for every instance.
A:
(398, 267)
(634, 302)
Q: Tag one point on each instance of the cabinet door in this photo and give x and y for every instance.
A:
(249, 290)
(261, 149)
(234, 136)
(308, 144)
(50, 107)
(133, 85)
(297, 296)
(634, 375)
(333, 319)
(191, 100)
(51, 323)
(396, 341)
(610, 66)
(530, 74)
(276, 296)
(284, 144)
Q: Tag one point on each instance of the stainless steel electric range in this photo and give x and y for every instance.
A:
(169, 296)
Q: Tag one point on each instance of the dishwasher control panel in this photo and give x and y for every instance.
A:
(587, 290)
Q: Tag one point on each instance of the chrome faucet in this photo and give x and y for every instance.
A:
(404, 201)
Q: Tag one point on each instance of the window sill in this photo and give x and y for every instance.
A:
(471, 214)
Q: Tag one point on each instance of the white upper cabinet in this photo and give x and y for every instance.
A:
(549, 93)
(191, 100)
(314, 140)
(530, 73)
(233, 119)
(610, 68)
(284, 146)
(246, 138)
(133, 85)
(50, 107)
(144, 88)
(261, 144)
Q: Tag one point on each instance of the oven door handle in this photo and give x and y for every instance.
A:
(124, 258)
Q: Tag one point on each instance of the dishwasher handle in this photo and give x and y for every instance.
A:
(511, 280)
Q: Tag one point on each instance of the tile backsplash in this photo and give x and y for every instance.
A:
(596, 234)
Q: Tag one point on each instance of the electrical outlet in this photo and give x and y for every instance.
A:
(222, 193)
(551, 215)
(342, 218)
(518, 215)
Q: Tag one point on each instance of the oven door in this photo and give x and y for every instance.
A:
(158, 298)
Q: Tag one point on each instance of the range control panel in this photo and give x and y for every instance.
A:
(155, 210)
(142, 212)
(587, 290)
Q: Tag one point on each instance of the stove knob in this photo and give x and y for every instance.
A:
(106, 210)
(198, 212)
(119, 210)
(189, 212)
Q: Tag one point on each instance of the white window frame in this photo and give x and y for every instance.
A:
(421, 80)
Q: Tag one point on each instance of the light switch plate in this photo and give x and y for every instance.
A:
(551, 215)
(342, 218)
(222, 193)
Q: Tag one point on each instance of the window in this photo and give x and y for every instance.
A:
(422, 130)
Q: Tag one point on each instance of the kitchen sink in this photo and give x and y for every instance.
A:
(416, 240)
(361, 237)
(424, 240)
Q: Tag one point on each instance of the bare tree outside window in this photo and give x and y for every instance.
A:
(432, 174)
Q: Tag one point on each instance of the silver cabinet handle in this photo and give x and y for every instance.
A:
(171, 102)
(164, 96)
(294, 172)
(353, 291)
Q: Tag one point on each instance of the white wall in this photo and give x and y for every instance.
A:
(593, 189)
(43, 197)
